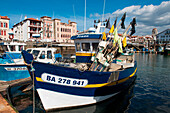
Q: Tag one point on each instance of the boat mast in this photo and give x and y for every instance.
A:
(85, 17)
(103, 11)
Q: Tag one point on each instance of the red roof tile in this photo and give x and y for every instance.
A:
(4, 17)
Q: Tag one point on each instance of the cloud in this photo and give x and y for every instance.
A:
(148, 16)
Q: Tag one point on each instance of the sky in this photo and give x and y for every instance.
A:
(149, 13)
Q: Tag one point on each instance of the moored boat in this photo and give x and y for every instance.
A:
(12, 65)
(89, 80)
(167, 50)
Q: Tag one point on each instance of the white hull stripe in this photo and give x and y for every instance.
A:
(54, 100)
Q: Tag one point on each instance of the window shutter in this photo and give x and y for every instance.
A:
(2, 32)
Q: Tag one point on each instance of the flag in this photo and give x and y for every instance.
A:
(108, 24)
(123, 19)
(124, 40)
(115, 23)
(112, 29)
(104, 36)
(113, 26)
(115, 36)
(133, 23)
(120, 45)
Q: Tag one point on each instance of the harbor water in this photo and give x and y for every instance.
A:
(150, 93)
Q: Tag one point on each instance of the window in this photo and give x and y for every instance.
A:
(12, 47)
(21, 47)
(94, 45)
(86, 46)
(1, 24)
(78, 47)
(4, 33)
(1, 32)
(29, 50)
(35, 53)
(49, 55)
(42, 56)
(6, 25)
(48, 35)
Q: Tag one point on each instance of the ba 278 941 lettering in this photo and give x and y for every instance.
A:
(64, 81)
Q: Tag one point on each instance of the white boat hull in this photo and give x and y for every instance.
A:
(54, 100)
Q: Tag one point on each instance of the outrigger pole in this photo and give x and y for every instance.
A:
(105, 47)
(113, 53)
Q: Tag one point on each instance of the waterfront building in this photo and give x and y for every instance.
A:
(4, 27)
(28, 29)
(163, 37)
(47, 30)
(64, 31)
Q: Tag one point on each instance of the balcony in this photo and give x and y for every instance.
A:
(34, 32)
(35, 25)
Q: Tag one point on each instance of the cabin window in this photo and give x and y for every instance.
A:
(21, 48)
(29, 50)
(95, 46)
(78, 47)
(12, 47)
(49, 55)
(86, 46)
(42, 56)
(5, 48)
(35, 53)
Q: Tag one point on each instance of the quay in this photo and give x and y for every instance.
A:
(5, 105)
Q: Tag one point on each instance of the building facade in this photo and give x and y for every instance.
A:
(64, 31)
(4, 27)
(28, 29)
(47, 30)
(163, 37)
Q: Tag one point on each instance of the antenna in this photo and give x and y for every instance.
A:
(21, 18)
(85, 17)
(74, 13)
(103, 10)
(53, 14)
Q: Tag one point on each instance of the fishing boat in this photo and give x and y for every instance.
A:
(12, 66)
(167, 50)
(88, 81)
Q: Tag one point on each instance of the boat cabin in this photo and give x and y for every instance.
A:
(47, 55)
(13, 46)
(12, 50)
(86, 46)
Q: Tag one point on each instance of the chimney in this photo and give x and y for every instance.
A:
(69, 21)
(25, 17)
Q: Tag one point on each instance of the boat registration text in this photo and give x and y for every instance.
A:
(16, 68)
(63, 80)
